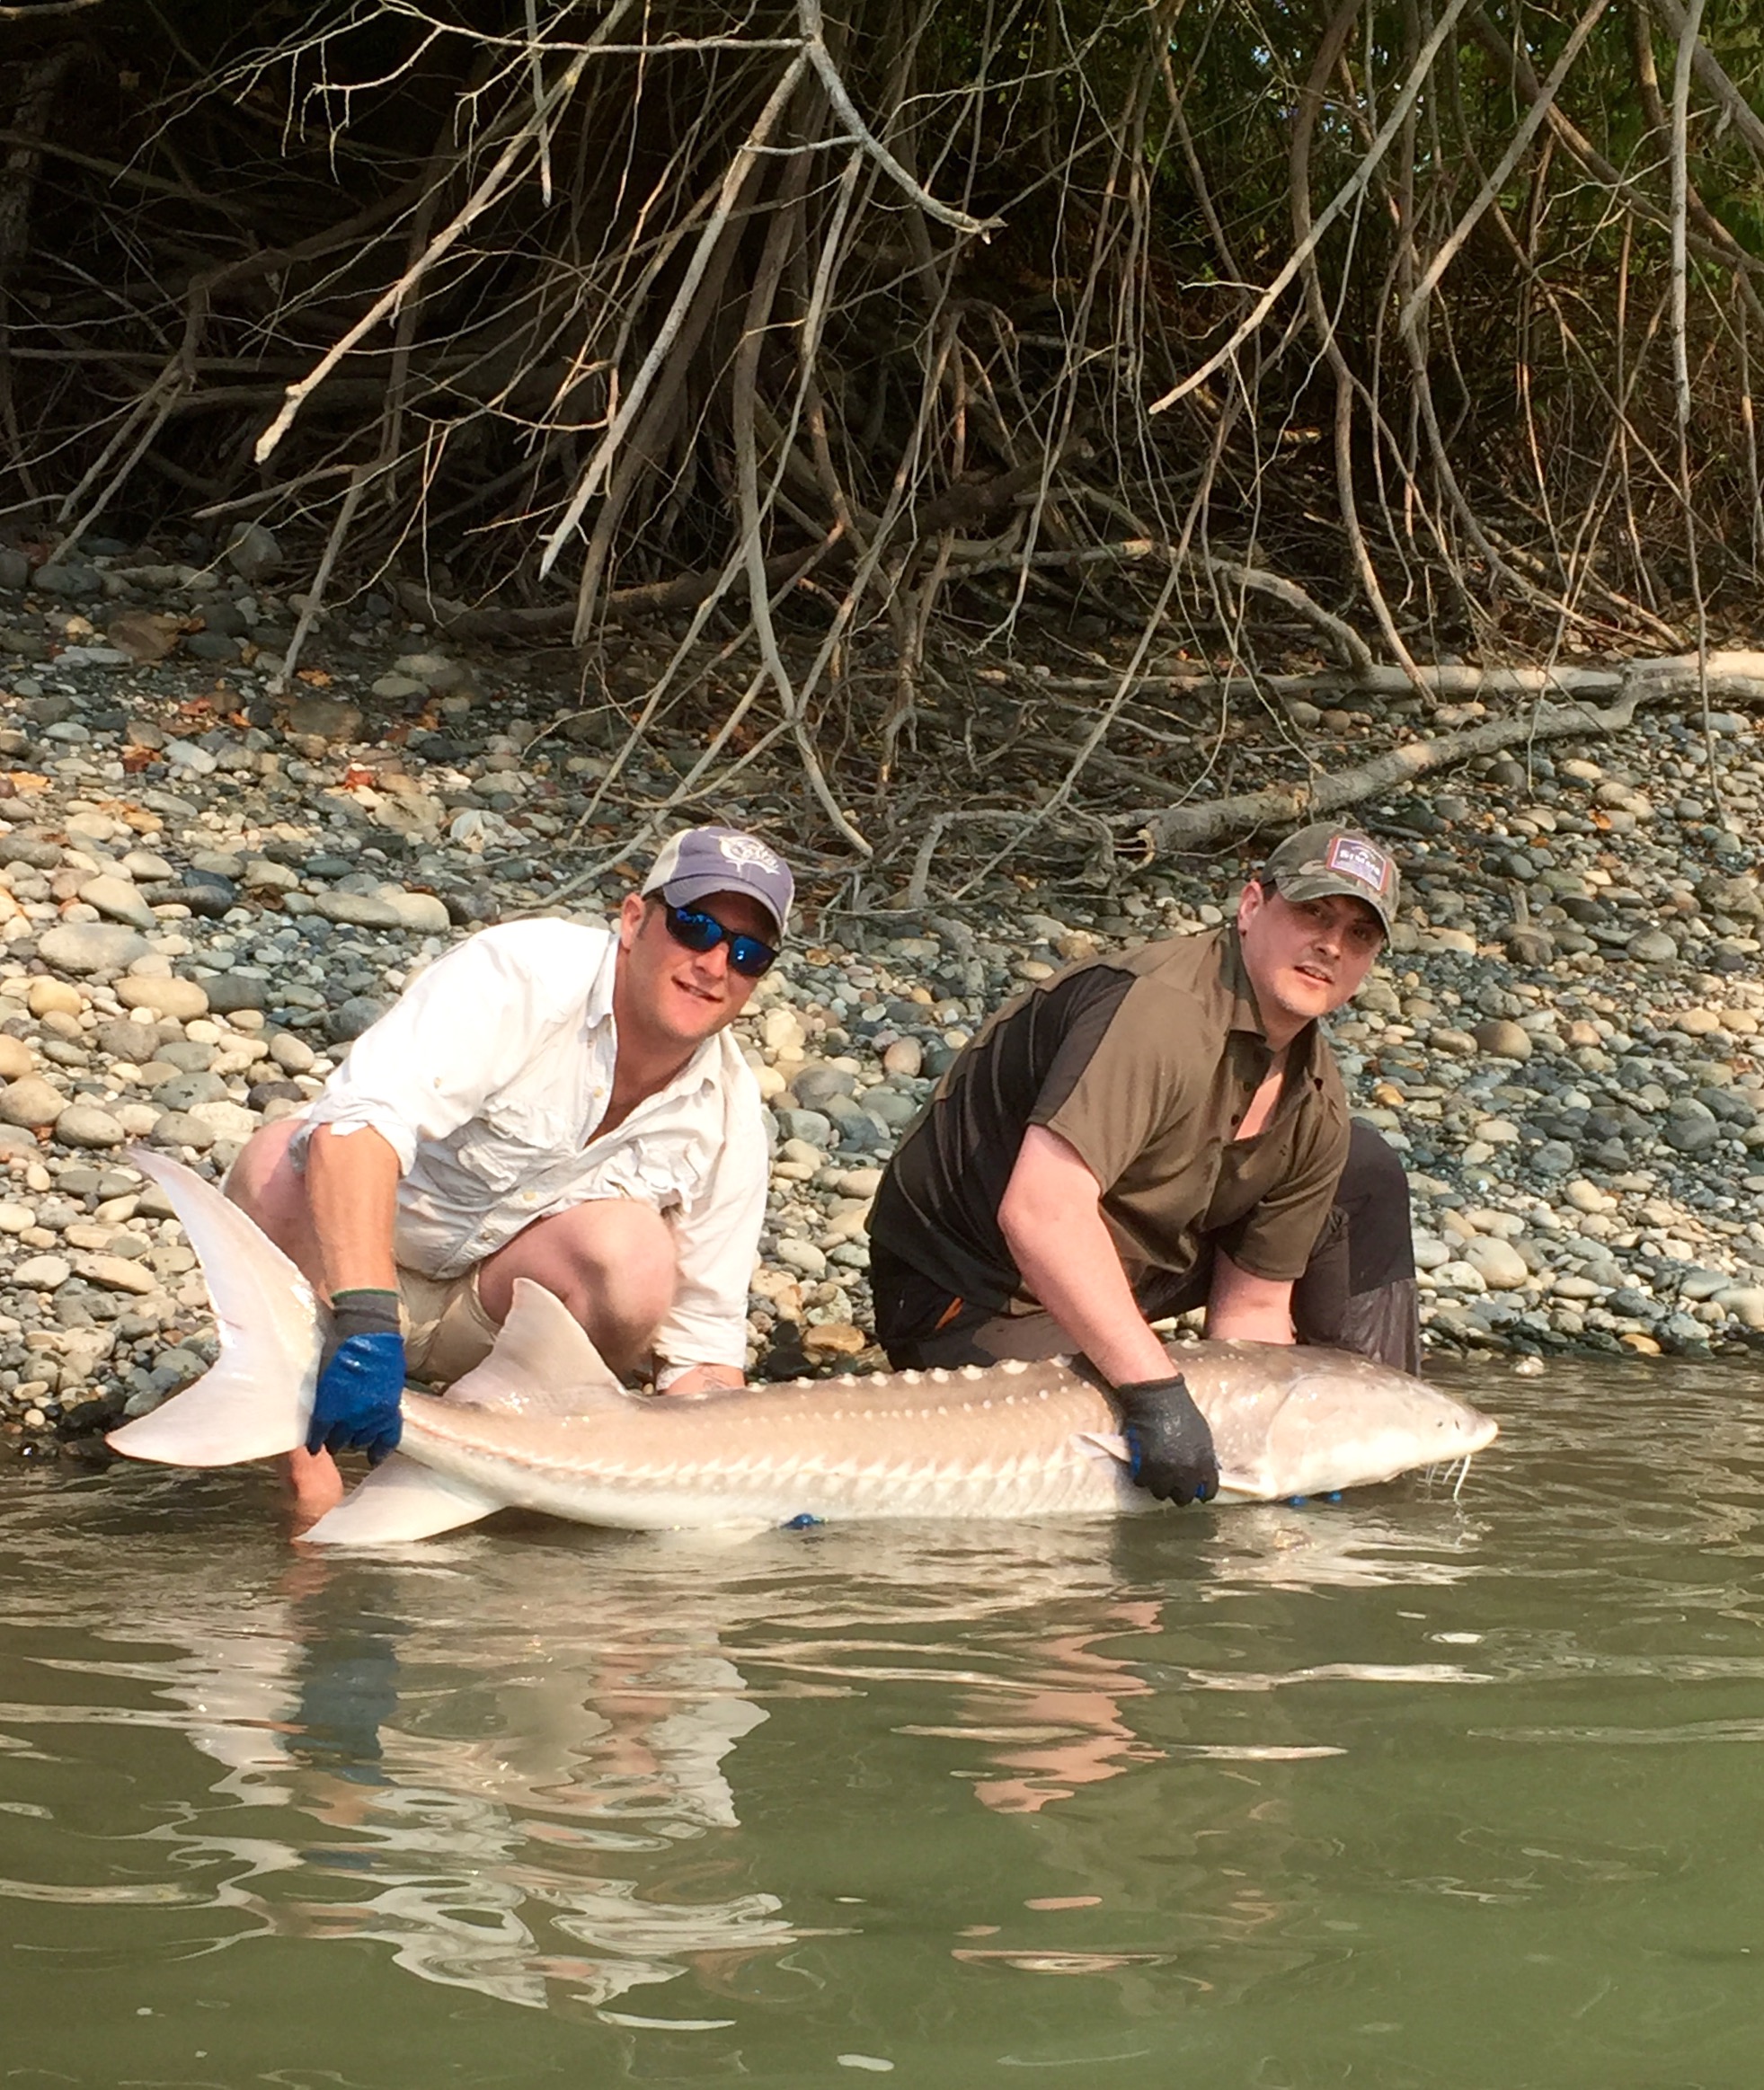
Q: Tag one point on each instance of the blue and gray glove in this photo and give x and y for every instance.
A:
(1169, 1446)
(360, 1376)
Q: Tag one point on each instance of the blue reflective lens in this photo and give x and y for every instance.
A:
(701, 932)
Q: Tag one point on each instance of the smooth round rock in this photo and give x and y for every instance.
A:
(1745, 1303)
(43, 1273)
(30, 1103)
(122, 1039)
(180, 999)
(359, 1013)
(119, 900)
(183, 1129)
(118, 1273)
(183, 1092)
(228, 1120)
(293, 1055)
(1502, 1040)
(361, 910)
(48, 995)
(801, 1256)
(1499, 1264)
(1652, 947)
(816, 1086)
(16, 1057)
(91, 946)
(905, 1057)
(85, 1125)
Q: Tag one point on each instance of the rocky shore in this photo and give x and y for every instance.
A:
(206, 891)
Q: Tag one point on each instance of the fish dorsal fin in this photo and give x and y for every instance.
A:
(543, 1363)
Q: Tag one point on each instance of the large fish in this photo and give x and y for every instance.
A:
(543, 1424)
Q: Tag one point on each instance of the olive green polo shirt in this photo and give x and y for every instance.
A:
(1145, 1064)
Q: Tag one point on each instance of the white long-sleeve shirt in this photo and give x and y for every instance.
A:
(488, 1078)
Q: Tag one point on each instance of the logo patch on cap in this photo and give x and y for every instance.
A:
(1352, 856)
(747, 849)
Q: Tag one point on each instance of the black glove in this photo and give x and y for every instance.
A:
(1170, 1448)
(360, 1376)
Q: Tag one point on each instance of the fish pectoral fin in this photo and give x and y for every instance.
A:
(1104, 1444)
(401, 1501)
(543, 1363)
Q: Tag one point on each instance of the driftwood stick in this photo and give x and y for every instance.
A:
(1736, 678)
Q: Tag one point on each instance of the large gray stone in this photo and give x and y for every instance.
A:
(252, 552)
(389, 908)
(86, 1125)
(180, 1129)
(1652, 947)
(815, 1085)
(229, 992)
(359, 1013)
(183, 1092)
(91, 946)
(122, 1039)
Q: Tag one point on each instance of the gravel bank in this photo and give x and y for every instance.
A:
(206, 893)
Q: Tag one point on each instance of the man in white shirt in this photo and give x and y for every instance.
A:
(548, 1101)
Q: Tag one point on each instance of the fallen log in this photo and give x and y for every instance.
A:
(1733, 678)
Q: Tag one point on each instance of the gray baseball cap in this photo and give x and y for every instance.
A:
(701, 861)
(1325, 859)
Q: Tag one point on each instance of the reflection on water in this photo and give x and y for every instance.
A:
(1054, 1796)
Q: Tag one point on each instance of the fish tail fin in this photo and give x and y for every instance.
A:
(257, 1400)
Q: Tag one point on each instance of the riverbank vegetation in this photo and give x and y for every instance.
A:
(1018, 401)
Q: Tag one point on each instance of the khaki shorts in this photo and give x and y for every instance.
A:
(447, 1329)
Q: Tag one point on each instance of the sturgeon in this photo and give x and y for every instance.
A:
(542, 1424)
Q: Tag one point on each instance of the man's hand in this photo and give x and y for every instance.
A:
(1169, 1445)
(360, 1376)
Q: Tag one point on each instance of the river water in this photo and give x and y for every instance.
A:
(1401, 1792)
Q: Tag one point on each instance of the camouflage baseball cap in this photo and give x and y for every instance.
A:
(701, 861)
(1327, 859)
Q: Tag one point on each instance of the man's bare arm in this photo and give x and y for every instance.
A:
(708, 1378)
(352, 1191)
(1051, 1219)
(1242, 1308)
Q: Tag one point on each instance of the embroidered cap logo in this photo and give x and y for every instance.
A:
(1352, 856)
(745, 849)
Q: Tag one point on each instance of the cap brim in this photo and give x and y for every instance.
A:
(1322, 884)
(685, 892)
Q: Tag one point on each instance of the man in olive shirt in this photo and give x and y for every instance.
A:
(1158, 1130)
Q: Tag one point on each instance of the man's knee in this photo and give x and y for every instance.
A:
(264, 1182)
(1374, 1193)
(612, 1262)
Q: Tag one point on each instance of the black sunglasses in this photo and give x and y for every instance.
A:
(701, 932)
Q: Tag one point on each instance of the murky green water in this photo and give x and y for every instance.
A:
(1400, 1793)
